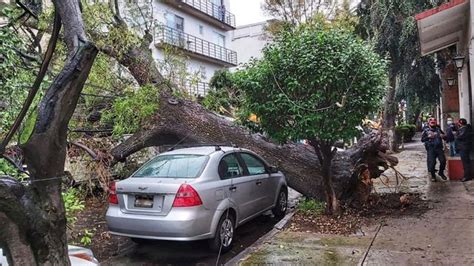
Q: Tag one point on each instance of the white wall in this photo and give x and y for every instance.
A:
(249, 40)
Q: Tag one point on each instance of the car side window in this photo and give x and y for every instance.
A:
(255, 166)
(229, 167)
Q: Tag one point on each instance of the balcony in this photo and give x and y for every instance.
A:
(195, 46)
(207, 11)
(197, 88)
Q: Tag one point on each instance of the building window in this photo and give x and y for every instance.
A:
(201, 29)
(174, 21)
(202, 70)
(220, 39)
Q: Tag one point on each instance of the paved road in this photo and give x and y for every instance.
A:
(197, 252)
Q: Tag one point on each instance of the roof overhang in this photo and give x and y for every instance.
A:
(443, 26)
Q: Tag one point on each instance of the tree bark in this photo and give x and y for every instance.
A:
(390, 112)
(35, 213)
(326, 153)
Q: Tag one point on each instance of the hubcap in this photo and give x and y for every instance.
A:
(283, 201)
(227, 232)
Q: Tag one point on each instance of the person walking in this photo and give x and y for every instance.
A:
(450, 137)
(463, 145)
(433, 137)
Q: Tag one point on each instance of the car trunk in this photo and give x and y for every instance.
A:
(150, 196)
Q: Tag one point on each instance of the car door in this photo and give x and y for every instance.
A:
(255, 168)
(241, 186)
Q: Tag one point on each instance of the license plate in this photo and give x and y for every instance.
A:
(143, 201)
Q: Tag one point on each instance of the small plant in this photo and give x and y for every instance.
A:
(86, 238)
(311, 206)
(72, 203)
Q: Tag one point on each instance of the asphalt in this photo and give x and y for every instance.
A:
(443, 235)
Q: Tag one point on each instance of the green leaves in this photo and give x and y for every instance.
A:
(313, 82)
(131, 112)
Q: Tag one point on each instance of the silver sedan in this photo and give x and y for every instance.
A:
(196, 193)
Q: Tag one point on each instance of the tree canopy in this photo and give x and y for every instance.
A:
(313, 83)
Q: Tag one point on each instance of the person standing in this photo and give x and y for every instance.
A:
(433, 137)
(463, 146)
(450, 137)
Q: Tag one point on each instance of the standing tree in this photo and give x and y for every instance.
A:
(315, 84)
(390, 26)
(32, 217)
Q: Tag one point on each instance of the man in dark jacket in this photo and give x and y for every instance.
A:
(433, 137)
(463, 146)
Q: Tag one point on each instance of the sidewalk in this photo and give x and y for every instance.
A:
(442, 235)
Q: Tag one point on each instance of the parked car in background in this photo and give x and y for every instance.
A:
(196, 193)
(78, 256)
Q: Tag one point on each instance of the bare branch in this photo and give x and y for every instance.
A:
(85, 148)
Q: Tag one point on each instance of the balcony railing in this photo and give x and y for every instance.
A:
(197, 88)
(164, 34)
(216, 11)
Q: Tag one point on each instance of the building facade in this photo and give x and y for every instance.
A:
(249, 40)
(200, 29)
(447, 31)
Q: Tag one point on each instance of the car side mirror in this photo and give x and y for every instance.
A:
(272, 169)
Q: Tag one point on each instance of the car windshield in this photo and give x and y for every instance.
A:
(173, 166)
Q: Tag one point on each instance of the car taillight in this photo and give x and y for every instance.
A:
(86, 256)
(186, 196)
(113, 194)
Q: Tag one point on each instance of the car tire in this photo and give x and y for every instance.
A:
(281, 204)
(225, 229)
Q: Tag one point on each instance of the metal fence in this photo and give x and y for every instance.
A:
(197, 88)
(194, 44)
(216, 11)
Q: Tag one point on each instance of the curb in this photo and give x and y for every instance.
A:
(256, 245)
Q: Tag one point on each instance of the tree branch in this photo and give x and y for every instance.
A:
(85, 148)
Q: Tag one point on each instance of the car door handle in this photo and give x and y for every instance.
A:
(258, 183)
(232, 188)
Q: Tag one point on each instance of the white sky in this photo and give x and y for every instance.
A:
(247, 11)
(250, 11)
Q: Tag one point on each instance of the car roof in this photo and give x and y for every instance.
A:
(203, 150)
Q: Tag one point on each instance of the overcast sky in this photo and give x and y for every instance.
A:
(247, 11)
(250, 11)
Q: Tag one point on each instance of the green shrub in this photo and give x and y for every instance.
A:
(405, 131)
(311, 206)
(73, 202)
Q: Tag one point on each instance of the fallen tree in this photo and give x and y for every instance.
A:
(181, 121)
(185, 122)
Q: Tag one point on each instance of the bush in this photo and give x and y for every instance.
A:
(406, 131)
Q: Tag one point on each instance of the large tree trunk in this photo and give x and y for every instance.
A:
(185, 122)
(36, 222)
(390, 112)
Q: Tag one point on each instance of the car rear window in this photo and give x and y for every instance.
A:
(173, 166)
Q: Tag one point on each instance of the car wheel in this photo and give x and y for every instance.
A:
(224, 236)
(281, 205)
